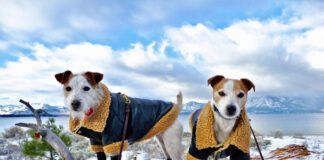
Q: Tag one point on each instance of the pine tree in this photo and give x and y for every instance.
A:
(36, 147)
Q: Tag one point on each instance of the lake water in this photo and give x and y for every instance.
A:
(307, 124)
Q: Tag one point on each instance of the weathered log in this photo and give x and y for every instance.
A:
(46, 133)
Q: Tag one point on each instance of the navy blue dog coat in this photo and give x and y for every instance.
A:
(104, 128)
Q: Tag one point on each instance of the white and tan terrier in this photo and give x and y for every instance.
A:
(98, 114)
(222, 128)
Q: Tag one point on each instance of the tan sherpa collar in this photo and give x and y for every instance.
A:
(206, 138)
(97, 121)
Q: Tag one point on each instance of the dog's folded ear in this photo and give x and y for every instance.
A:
(93, 77)
(214, 80)
(248, 84)
(63, 77)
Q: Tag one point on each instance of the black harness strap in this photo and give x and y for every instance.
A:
(257, 144)
(127, 111)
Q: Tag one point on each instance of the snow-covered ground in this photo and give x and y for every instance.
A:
(315, 144)
(10, 147)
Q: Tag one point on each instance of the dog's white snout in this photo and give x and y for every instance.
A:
(76, 105)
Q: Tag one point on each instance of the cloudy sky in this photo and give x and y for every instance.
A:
(153, 49)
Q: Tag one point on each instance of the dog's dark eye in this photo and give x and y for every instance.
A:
(222, 93)
(68, 89)
(86, 88)
(240, 95)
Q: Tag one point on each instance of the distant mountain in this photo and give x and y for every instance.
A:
(260, 105)
(273, 104)
(191, 106)
(21, 110)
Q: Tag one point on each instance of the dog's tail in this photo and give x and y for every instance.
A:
(179, 100)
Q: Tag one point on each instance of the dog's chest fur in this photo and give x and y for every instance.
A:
(222, 128)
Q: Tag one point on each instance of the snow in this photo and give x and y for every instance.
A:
(315, 144)
(150, 149)
(129, 155)
(21, 109)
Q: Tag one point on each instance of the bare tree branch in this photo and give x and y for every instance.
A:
(27, 125)
(35, 112)
(46, 133)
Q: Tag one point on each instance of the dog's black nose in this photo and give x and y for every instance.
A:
(231, 109)
(75, 105)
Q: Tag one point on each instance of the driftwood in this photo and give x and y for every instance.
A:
(46, 133)
(291, 151)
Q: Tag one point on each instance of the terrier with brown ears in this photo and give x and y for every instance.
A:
(221, 129)
(99, 115)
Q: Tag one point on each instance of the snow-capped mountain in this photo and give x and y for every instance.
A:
(261, 104)
(22, 110)
(273, 104)
(191, 106)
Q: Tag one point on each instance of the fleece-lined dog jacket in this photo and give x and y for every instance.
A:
(204, 143)
(105, 126)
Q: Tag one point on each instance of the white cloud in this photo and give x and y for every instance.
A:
(72, 21)
(281, 57)
(54, 21)
(32, 77)
(21, 16)
(139, 56)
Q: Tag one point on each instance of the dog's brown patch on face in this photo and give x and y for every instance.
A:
(66, 85)
(93, 77)
(217, 87)
(238, 88)
(247, 84)
(214, 80)
(64, 78)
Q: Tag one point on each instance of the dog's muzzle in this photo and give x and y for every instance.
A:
(230, 110)
(75, 105)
